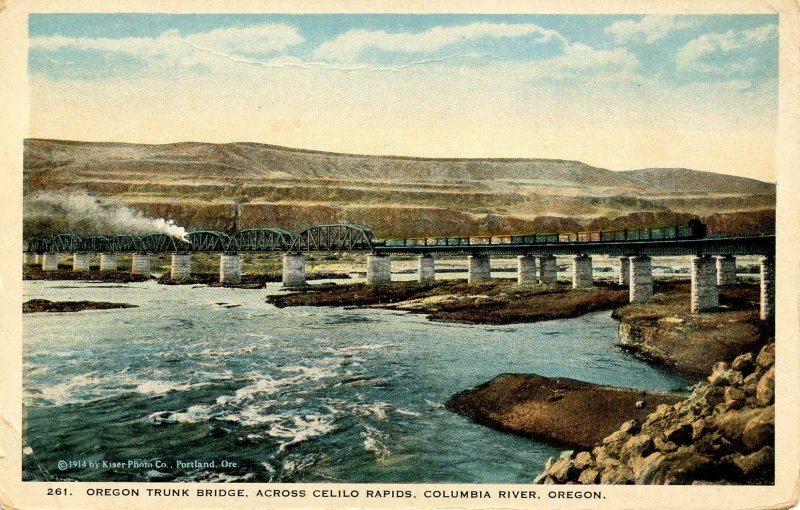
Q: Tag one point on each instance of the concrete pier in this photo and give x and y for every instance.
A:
(705, 294)
(641, 279)
(379, 269)
(140, 264)
(50, 262)
(581, 272)
(37, 259)
(294, 270)
(426, 265)
(767, 288)
(548, 269)
(108, 262)
(230, 268)
(29, 258)
(624, 271)
(80, 261)
(526, 270)
(181, 266)
(726, 270)
(480, 268)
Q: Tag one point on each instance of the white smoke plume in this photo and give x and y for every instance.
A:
(47, 213)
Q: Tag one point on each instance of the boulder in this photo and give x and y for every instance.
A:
(584, 460)
(664, 446)
(679, 467)
(589, 476)
(631, 427)
(564, 470)
(643, 466)
(679, 434)
(757, 462)
(759, 431)
(744, 363)
(734, 397)
(749, 384)
(698, 427)
(765, 391)
(766, 358)
(618, 475)
(637, 446)
(721, 375)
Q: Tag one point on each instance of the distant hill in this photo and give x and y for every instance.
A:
(236, 185)
(682, 180)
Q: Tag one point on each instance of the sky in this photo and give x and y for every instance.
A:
(616, 91)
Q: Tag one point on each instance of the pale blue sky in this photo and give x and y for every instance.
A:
(567, 86)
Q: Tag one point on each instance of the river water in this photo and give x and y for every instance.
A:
(201, 375)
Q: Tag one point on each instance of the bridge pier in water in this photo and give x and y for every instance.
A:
(582, 272)
(641, 279)
(181, 266)
(726, 270)
(548, 269)
(230, 268)
(767, 288)
(80, 261)
(624, 271)
(480, 268)
(294, 270)
(379, 269)
(50, 262)
(526, 269)
(705, 294)
(108, 262)
(140, 264)
(427, 268)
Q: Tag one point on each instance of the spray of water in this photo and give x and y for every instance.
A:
(47, 213)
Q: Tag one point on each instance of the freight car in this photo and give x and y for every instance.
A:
(694, 229)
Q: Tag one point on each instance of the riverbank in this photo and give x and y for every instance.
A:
(561, 410)
(45, 305)
(665, 332)
(497, 301)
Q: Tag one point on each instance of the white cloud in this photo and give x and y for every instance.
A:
(349, 45)
(252, 40)
(693, 54)
(649, 29)
(229, 42)
(580, 57)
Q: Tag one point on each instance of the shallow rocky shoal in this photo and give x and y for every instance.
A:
(44, 305)
(498, 301)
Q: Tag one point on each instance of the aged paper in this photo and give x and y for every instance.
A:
(365, 254)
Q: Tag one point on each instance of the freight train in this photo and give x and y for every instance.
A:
(694, 229)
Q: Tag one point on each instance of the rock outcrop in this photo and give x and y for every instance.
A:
(723, 433)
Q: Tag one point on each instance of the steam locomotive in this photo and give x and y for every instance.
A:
(694, 229)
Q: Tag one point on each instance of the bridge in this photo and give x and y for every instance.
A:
(713, 260)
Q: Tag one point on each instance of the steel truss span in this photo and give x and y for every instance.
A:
(338, 237)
